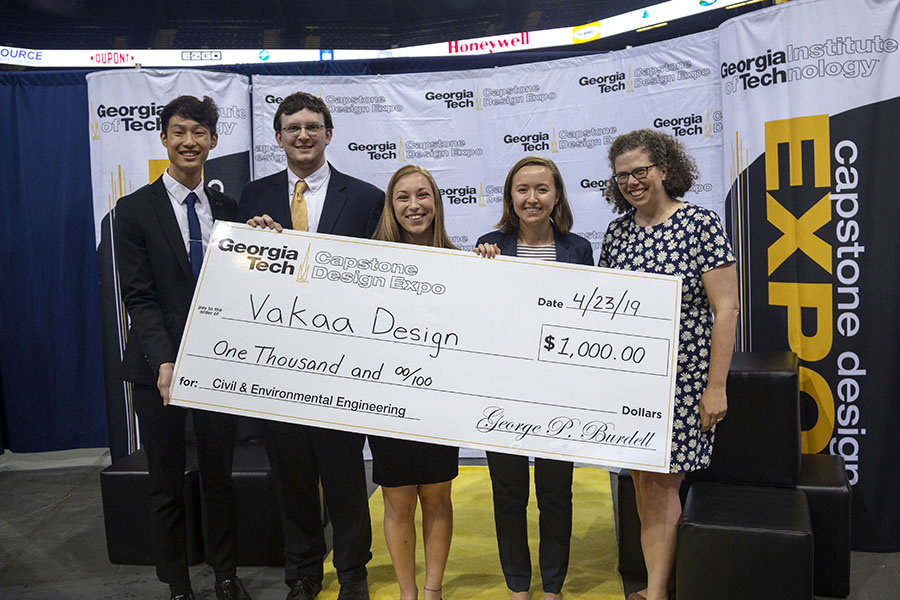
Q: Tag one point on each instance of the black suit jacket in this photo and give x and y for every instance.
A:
(570, 248)
(155, 276)
(352, 207)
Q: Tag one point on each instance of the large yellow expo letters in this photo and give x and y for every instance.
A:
(800, 234)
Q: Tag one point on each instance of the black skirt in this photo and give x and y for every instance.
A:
(400, 462)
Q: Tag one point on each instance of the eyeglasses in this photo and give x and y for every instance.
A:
(312, 129)
(639, 174)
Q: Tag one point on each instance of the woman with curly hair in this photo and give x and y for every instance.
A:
(660, 233)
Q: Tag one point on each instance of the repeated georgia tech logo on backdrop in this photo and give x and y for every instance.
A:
(361, 105)
(588, 138)
(644, 76)
(534, 141)
(357, 104)
(471, 194)
(837, 57)
(463, 194)
(664, 74)
(466, 98)
(381, 150)
(490, 194)
(556, 140)
(604, 84)
(690, 124)
(415, 150)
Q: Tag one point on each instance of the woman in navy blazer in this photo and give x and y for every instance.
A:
(536, 223)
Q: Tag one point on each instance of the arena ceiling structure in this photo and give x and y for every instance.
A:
(336, 24)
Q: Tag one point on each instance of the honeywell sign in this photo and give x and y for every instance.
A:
(501, 43)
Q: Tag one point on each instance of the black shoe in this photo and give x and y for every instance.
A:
(183, 596)
(231, 589)
(305, 588)
(358, 590)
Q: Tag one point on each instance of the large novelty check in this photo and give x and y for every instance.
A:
(547, 359)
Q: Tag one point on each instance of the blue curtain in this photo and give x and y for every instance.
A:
(50, 353)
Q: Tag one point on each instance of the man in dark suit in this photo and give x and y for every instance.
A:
(311, 195)
(160, 233)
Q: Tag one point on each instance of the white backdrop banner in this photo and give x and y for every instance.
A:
(469, 127)
(126, 152)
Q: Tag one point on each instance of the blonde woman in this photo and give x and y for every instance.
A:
(410, 473)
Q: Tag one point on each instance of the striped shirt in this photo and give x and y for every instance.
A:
(536, 252)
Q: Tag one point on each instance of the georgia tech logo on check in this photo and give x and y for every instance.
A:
(303, 275)
(269, 259)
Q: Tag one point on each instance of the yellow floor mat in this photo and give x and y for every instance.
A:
(473, 570)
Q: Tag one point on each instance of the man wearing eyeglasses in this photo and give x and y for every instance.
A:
(311, 195)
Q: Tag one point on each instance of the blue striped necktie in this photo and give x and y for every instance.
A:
(196, 238)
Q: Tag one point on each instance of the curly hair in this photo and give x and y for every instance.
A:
(664, 150)
(390, 230)
(561, 218)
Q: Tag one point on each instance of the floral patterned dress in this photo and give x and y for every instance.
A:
(689, 243)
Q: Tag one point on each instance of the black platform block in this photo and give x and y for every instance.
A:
(744, 543)
(824, 480)
(125, 491)
(759, 440)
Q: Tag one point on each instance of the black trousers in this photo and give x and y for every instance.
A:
(553, 486)
(162, 437)
(301, 456)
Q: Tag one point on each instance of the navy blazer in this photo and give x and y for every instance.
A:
(352, 207)
(155, 276)
(570, 248)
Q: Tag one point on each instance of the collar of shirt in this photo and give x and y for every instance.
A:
(314, 180)
(178, 191)
(317, 183)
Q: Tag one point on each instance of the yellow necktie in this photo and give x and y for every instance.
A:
(298, 207)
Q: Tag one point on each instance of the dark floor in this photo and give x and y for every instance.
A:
(52, 544)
